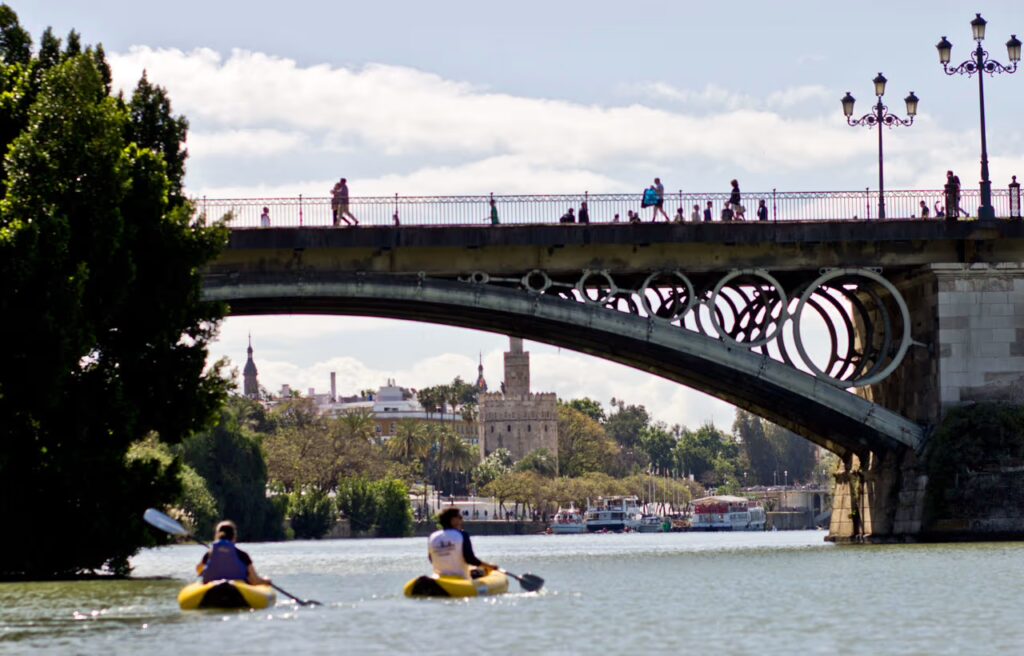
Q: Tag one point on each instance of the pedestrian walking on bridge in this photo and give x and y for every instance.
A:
(339, 204)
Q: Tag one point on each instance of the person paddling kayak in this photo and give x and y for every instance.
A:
(450, 550)
(226, 561)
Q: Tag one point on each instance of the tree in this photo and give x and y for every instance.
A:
(583, 445)
(394, 512)
(658, 444)
(760, 452)
(796, 455)
(589, 407)
(698, 452)
(494, 466)
(539, 461)
(312, 514)
(228, 457)
(453, 458)
(106, 334)
(357, 500)
(409, 443)
(195, 506)
(626, 426)
(152, 126)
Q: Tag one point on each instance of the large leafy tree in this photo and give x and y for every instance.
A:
(105, 333)
(583, 445)
(228, 458)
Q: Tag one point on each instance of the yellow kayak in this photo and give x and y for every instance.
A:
(493, 583)
(226, 594)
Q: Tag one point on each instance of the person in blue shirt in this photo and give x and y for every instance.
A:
(226, 561)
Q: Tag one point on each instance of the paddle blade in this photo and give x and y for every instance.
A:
(154, 517)
(531, 582)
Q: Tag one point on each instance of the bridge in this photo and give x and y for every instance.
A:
(854, 334)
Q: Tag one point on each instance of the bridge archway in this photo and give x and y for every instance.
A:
(823, 413)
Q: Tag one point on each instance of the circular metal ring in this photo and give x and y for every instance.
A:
(603, 297)
(690, 299)
(901, 351)
(479, 278)
(545, 281)
(779, 322)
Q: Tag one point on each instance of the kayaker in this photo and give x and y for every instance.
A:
(226, 561)
(450, 550)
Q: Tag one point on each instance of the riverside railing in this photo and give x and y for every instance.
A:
(305, 211)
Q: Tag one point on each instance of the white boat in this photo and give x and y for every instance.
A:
(568, 520)
(651, 524)
(613, 514)
(727, 513)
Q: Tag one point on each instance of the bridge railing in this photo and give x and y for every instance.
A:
(305, 211)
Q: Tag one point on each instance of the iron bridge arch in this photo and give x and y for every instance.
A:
(737, 340)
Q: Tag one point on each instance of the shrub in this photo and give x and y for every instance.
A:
(312, 514)
(394, 512)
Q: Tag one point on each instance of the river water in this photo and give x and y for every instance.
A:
(743, 593)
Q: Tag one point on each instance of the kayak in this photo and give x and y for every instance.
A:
(225, 594)
(493, 583)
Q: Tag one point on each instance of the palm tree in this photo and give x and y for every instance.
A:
(454, 455)
(359, 424)
(410, 442)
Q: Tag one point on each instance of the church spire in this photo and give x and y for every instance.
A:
(481, 384)
(250, 385)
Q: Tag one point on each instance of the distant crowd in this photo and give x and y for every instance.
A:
(654, 197)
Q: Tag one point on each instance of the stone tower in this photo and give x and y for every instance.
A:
(250, 386)
(517, 419)
(517, 369)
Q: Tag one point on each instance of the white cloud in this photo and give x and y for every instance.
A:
(244, 143)
(403, 111)
(503, 175)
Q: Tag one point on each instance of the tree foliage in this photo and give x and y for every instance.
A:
(394, 512)
(382, 506)
(773, 454)
(105, 332)
(589, 407)
(312, 514)
(583, 444)
(494, 466)
(539, 461)
(229, 459)
(972, 438)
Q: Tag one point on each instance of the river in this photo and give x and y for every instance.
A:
(743, 593)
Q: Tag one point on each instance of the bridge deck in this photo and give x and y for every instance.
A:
(789, 246)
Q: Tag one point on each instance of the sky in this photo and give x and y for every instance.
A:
(541, 97)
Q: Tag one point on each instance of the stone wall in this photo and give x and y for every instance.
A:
(878, 498)
(981, 332)
(520, 424)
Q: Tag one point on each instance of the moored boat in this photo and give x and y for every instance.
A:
(226, 594)
(651, 524)
(727, 513)
(492, 583)
(568, 520)
(613, 514)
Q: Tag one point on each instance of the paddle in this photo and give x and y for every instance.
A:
(529, 582)
(154, 517)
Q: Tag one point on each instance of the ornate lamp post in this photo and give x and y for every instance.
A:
(980, 63)
(878, 117)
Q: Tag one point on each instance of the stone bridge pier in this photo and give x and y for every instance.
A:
(968, 321)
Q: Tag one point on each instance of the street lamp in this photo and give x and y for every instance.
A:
(980, 63)
(878, 117)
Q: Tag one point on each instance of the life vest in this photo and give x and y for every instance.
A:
(445, 549)
(224, 563)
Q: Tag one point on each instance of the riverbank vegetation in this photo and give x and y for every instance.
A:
(105, 335)
(974, 461)
(319, 468)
